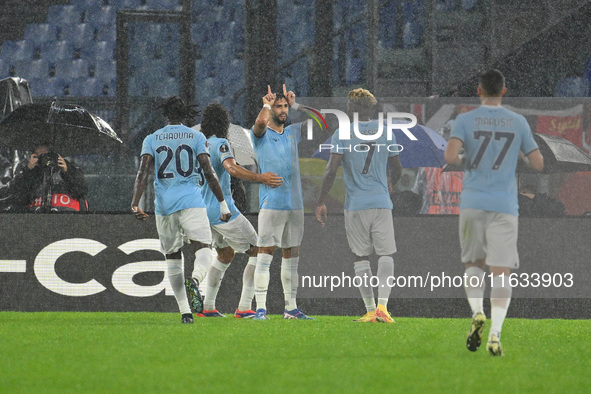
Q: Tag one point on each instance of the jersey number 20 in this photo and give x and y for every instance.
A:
(162, 174)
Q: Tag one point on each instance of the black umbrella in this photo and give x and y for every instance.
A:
(69, 129)
(560, 155)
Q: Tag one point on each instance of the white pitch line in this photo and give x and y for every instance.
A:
(13, 265)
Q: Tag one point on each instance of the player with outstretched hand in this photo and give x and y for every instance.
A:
(368, 207)
(493, 139)
(180, 159)
(237, 234)
(281, 217)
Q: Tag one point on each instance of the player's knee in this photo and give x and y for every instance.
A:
(266, 250)
(294, 251)
(252, 252)
(196, 245)
(498, 271)
(174, 256)
(226, 255)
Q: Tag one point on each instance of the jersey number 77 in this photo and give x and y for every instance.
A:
(488, 135)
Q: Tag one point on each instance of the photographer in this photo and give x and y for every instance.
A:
(48, 183)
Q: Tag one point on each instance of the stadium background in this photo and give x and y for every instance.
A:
(119, 57)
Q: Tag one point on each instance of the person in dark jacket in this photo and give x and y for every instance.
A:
(48, 183)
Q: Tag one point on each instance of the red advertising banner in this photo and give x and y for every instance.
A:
(568, 127)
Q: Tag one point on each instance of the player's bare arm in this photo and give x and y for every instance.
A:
(395, 171)
(452, 151)
(141, 179)
(327, 181)
(268, 178)
(214, 184)
(262, 120)
(291, 101)
(534, 160)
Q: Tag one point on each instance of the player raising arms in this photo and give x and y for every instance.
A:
(368, 207)
(493, 138)
(181, 163)
(237, 235)
(281, 217)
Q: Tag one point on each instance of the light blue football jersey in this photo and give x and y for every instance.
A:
(219, 150)
(278, 153)
(364, 167)
(175, 149)
(492, 137)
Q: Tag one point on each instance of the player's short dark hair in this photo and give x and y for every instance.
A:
(176, 110)
(492, 82)
(280, 96)
(215, 121)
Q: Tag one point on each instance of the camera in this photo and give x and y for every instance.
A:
(48, 160)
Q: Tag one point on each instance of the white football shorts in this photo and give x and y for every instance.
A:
(284, 229)
(370, 229)
(186, 224)
(238, 234)
(490, 235)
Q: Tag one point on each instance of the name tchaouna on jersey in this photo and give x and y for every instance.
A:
(174, 136)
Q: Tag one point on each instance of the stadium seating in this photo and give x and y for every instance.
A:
(587, 72)
(105, 68)
(39, 34)
(23, 50)
(169, 5)
(572, 87)
(32, 69)
(103, 16)
(387, 32)
(445, 5)
(58, 50)
(60, 14)
(51, 86)
(412, 28)
(126, 4)
(79, 35)
(469, 4)
(72, 68)
(4, 68)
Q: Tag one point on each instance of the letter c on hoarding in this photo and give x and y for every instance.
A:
(44, 267)
(123, 276)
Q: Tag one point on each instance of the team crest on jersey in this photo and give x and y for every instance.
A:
(224, 148)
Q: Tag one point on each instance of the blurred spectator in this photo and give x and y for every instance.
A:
(47, 183)
(532, 204)
(440, 190)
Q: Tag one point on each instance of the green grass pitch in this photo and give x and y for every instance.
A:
(153, 352)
